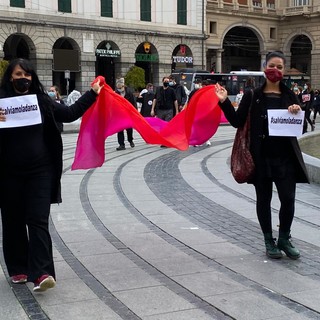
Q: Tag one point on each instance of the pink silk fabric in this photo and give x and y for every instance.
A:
(111, 113)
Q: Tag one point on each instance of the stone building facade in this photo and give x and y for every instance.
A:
(242, 32)
(72, 41)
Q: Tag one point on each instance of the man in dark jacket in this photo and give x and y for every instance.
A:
(125, 92)
(165, 102)
(180, 93)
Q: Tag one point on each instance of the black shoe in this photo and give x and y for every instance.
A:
(162, 146)
(132, 144)
(121, 148)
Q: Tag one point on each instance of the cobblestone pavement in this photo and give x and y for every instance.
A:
(156, 233)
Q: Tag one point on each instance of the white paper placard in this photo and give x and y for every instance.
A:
(20, 111)
(285, 124)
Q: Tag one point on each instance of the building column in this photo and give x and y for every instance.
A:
(315, 72)
(287, 55)
(219, 60)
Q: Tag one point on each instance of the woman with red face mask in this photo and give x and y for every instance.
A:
(278, 159)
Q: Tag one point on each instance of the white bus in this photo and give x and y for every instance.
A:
(234, 81)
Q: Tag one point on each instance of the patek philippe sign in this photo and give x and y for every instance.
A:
(108, 52)
(182, 59)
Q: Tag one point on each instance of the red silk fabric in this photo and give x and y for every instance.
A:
(112, 113)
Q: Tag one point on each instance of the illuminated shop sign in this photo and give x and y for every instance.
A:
(108, 53)
(180, 59)
(147, 57)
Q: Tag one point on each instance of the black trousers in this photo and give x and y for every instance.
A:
(120, 136)
(25, 210)
(316, 109)
(307, 120)
(286, 187)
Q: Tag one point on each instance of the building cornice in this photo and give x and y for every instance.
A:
(103, 26)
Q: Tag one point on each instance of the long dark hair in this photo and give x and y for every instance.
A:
(277, 54)
(6, 83)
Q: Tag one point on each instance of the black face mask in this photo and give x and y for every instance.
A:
(21, 85)
(166, 84)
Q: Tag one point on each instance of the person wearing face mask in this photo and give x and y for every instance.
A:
(278, 159)
(146, 99)
(164, 102)
(197, 86)
(306, 99)
(180, 93)
(54, 94)
(31, 162)
(295, 89)
(126, 93)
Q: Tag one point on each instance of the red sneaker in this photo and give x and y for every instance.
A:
(44, 283)
(19, 278)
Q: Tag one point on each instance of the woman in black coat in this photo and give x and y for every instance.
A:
(277, 159)
(31, 162)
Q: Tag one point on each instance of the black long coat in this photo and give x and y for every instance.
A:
(238, 117)
(53, 112)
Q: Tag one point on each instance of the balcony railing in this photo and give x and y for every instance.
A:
(299, 10)
(254, 7)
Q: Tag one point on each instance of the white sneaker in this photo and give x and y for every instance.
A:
(208, 143)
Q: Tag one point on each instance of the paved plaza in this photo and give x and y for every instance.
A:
(159, 234)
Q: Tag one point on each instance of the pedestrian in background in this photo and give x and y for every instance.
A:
(197, 86)
(306, 99)
(146, 99)
(315, 106)
(31, 162)
(125, 92)
(277, 159)
(165, 104)
(165, 101)
(249, 85)
(54, 94)
(180, 93)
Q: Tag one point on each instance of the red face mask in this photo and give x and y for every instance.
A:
(273, 74)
